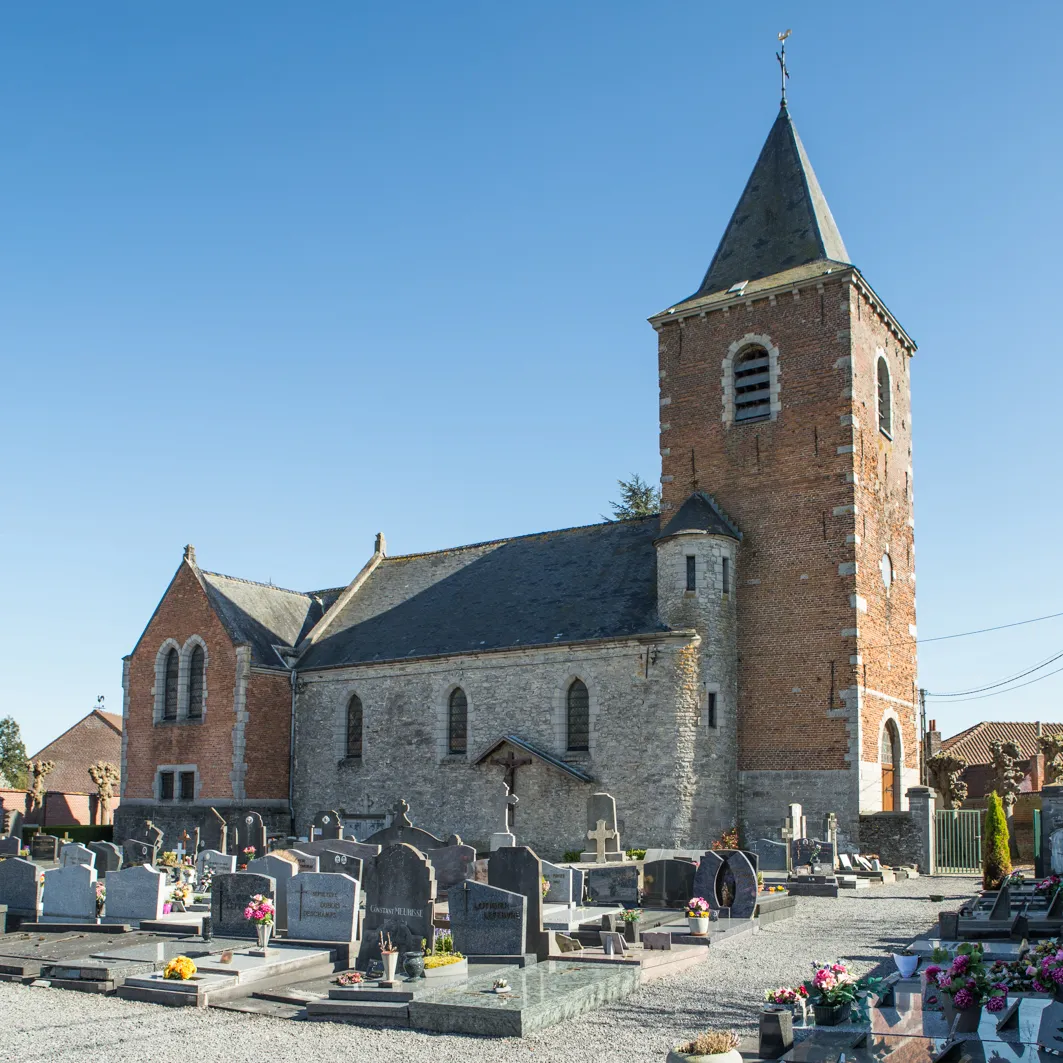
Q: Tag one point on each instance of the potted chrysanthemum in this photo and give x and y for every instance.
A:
(697, 912)
(964, 986)
(713, 1046)
(180, 968)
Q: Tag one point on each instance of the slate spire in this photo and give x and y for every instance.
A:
(782, 219)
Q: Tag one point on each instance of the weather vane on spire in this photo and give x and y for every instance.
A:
(781, 56)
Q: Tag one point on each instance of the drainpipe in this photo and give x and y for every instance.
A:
(291, 756)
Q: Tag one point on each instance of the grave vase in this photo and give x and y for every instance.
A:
(965, 1021)
(631, 932)
(391, 963)
(831, 1014)
(699, 924)
(413, 965)
(263, 931)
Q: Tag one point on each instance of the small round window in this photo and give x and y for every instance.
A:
(886, 568)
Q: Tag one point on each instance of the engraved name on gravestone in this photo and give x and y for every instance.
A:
(215, 862)
(335, 863)
(400, 891)
(135, 893)
(69, 895)
(44, 847)
(566, 884)
(322, 907)
(20, 886)
(230, 895)
(327, 825)
(518, 870)
(75, 853)
(488, 921)
(282, 870)
(307, 862)
(613, 884)
(108, 857)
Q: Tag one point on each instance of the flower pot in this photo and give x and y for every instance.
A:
(699, 924)
(262, 932)
(413, 965)
(831, 1014)
(734, 1056)
(167, 907)
(391, 962)
(906, 965)
(451, 970)
(631, 933)
(966, 1021)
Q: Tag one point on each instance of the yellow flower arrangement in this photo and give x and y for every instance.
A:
(179, 967)
(443, 959)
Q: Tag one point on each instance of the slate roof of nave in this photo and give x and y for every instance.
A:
(598, 581)
(263, 615)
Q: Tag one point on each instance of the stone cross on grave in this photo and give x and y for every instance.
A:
(600, 835)
(787, 837)
(398, 813)
(511, 763)
(179, 848)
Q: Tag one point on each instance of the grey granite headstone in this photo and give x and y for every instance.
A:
(75, 853)
(230, 895)
(1002, 905)
(13, 823)
(322, 907)
(44, 847)
(601, 808)
(845, 862)
(613, 884)
(668, 883)
(108, 856)
(706, 878)
(149, 833)
(327, 825)
(772, 854)
(452, 864)
(673, 854)
(402, 831)
(69, 895)
(282, 871)
(10, 846)
(136, 852)
(134, 894)
(335, 863)
(563, 884)
(215, 862)
(488, 921)
(400, 893)
(518, 870)
(307, 862)
(20, 886)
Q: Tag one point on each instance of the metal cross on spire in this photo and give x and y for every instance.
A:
(784, 74)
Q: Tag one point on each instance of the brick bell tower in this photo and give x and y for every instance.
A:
(785, 397)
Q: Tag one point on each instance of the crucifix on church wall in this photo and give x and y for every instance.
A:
(511, 762)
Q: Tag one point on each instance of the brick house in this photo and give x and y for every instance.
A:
(751, 646)
(973, 745)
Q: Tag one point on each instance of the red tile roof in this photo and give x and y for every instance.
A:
(973, 744)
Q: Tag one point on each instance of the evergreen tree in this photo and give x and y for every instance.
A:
(996, 857)
(12, 754)
(637, 499)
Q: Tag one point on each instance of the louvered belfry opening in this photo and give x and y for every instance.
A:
(173, 670)
(195, 684)
(354, 727)
(579, 717)
(885, 411)
(457, 722)
(752, 383)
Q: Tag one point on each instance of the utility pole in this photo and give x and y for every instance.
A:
(922, 737)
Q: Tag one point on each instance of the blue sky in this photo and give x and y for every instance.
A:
(274, 277)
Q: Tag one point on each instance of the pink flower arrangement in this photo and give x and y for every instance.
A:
(931, 973)
(995, 1004)
(786, 995)
(831, 983)
(260, 910)
(963, 999)
(1049, 884)
(697, 908)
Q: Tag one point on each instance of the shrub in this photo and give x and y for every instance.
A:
(636, 854)
(77, 832)
(711, 1043)
(572, 856)
(996, 857)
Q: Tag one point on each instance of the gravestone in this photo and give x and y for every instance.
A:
(668, 883)
(693, 855)
(69, 895)
(797, 820)
(335, 863)
(612, 943)
(830, 832)
(805, 847)
(44, 847)
(743, 878)
(108, 856)
(217, 863)
(230, 895)
(135, 853)
(402, 831)
(1002, 905)
(706, 879)
(771, 854)
(400, 892)
(844, 862)
(452, 864)
(13, 823)
(20, 886)
(75, 853)
(613, 884)
(149, 833)
(307, 862)
(488, 921)
(253, 833)
(602, 830)
(363, 851)
(566, 884)
(505, 838)
(327, 826)
(10, 846)
(518, 870)
(1055, 842)
(282, 871)
(215, 835)
(134, 894)
(863, 863)
(322, 907)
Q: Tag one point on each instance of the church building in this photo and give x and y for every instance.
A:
(751, 646)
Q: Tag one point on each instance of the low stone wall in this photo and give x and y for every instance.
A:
(174, 817)
(894, 836)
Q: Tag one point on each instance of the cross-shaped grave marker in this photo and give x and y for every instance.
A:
(511, 763)
(787, 837)
(600, 835)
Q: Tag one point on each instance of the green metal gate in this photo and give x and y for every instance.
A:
(958, 835)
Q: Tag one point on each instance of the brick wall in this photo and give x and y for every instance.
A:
(269, 710)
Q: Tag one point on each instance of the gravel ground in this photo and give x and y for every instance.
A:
(58, 1026)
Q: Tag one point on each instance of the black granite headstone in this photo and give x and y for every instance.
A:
(706, 879)
(517, 869)
(400, 892)
(612, 884)
(230, 895)
(336, 863)
(327, 826)
(668, 883)
(252, 833)
(108, 857)
(44, 847)
(488, 921)
(452, 864)
(137, 852)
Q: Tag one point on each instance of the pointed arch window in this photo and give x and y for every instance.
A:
(173, 672)
(457, 722)
(885, 399)
(579, 717)
(890, 759)
(196, 668)
(355, 723)
(752, 385)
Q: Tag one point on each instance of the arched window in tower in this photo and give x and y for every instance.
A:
(457, 722)
(196, 667)
(885, 400)
(173, 671)
(752, 385)
(579, 717)
(890, 757)
(354, 726)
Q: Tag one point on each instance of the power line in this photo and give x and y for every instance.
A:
(1000, 682)
(983, 630)
(1009, 689)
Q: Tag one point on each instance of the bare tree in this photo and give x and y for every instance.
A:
(37, 770)
(1052, 748)
(105, 775)
(945, 770)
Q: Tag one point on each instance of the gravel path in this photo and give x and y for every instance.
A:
(57, 1026)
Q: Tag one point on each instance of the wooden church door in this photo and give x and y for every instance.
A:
(890, 767)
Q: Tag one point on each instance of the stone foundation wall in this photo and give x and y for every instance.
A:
(896, 837)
